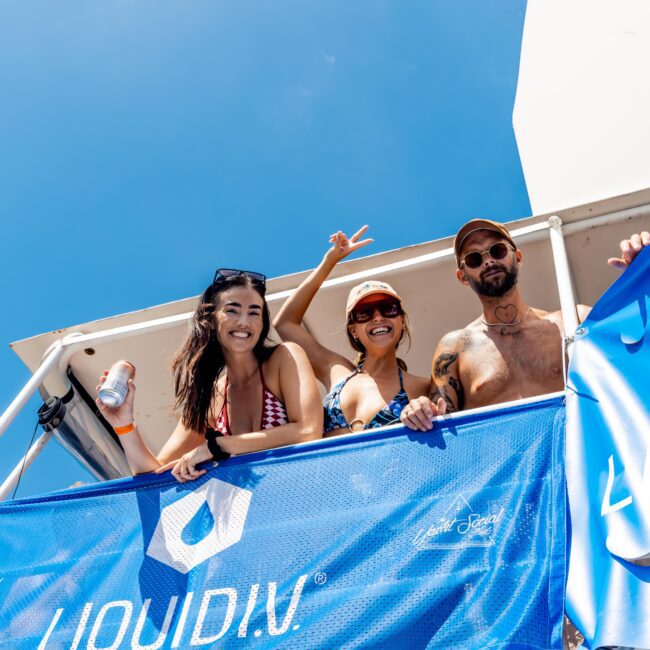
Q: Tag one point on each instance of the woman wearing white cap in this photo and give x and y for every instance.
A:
(372, 391)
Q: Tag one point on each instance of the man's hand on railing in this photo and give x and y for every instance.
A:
(630, 248)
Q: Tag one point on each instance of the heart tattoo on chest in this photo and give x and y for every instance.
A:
(506, 314)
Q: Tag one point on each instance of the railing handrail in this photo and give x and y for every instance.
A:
(61, 350)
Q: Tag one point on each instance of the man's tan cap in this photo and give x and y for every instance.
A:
(479, 224)
(368, 288)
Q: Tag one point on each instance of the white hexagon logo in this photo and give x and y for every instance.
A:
(229, 507)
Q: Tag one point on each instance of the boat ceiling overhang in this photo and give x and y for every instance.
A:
(424, 274)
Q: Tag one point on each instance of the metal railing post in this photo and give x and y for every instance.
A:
(563, 277)
(50, 362)
(25, 462)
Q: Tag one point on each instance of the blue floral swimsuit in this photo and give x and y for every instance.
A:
(389, 414)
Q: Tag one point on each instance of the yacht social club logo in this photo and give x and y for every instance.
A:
(194, 619)
(460, 526)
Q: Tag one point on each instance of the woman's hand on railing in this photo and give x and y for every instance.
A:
(420, 413)
(184, 469)
(117, 416)
(342, 245)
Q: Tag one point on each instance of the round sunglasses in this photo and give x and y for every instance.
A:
(497, 252)
(387, 308)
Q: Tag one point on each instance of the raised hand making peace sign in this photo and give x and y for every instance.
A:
(359, 392)
(343, 246)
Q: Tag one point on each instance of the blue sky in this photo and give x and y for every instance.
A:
(143, 144)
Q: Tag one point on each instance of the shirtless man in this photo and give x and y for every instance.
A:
(512, 350)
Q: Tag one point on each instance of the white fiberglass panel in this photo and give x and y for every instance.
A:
(581, 111)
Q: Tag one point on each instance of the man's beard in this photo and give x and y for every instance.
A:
(496, 286)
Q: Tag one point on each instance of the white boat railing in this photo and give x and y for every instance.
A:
(14, 476)
(57, 356)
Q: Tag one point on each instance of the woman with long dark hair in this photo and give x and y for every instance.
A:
(372, 391)
(235, 392)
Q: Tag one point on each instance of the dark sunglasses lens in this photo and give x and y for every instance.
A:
(498, 251)
(390, 309)
(361, 315)
(473, 260)
(223, 274)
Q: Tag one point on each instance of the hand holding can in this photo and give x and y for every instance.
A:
(113, 390)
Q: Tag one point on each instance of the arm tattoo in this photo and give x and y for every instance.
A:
(436, 394)
(460, 393)
(442, 363)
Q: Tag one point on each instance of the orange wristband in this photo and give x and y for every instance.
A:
(125, 429)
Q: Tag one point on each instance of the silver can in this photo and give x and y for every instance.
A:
(116, 385)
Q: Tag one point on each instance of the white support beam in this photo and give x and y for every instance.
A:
(563, 277)
(25, 462)
(50, 362)
(403, 264)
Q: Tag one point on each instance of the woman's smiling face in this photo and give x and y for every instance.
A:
(379, 331)
(238, 318)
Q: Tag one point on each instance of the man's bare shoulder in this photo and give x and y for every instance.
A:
(556, 316)
(456, 340)
(553, 316)
(463, 340)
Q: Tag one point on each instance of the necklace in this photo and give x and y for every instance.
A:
(516, 322)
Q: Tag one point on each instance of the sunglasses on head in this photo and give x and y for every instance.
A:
(497, 252)
(223, 274)
(387, 308)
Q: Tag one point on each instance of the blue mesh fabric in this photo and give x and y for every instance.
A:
(389, 539)
(608, 466)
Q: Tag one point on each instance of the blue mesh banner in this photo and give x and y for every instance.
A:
(608, 466)
(390, 539)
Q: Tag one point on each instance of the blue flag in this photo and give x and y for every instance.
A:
(608, 466)
(387, 539)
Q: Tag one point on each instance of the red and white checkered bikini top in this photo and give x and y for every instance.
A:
(274, 413)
